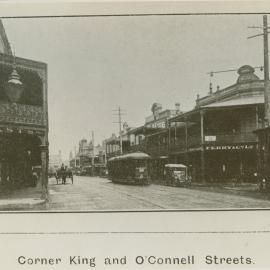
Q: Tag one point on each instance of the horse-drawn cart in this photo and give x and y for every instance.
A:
(63, 175)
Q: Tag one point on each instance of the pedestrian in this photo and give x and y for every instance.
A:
(34, 179)
(62, 167)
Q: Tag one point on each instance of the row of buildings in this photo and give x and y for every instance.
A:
(215, 139)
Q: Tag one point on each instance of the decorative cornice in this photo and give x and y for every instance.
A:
(231, 91)
(21, 114)
(23, 62)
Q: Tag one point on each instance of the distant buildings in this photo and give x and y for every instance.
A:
(55, 160)
(112, 144)
(88, 157)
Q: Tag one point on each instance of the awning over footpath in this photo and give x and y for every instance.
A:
(241, 101)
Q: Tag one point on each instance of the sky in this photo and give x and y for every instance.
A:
(96, 64)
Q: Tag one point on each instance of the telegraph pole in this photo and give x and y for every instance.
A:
(75, 158)
(119, 115)
(263, 133)
(266, 71)
(266, 68)
(120, 130)
(93, 153)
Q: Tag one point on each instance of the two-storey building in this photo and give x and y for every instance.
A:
(23, 119)
(152, 137)
(216, 139)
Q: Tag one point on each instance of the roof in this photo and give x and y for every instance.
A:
(236, 101)
(4, 40)
(136, 155)
(247, 82)
(175, 166)
(160, 131)
(240, 101)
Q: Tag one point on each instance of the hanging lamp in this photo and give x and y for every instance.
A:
(14, 86)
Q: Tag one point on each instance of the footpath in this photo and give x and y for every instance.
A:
(21, 199)
(242, 189)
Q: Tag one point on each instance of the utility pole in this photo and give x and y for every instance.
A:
(75, 158)
(266, 71)
(120, 130)
(263, 133)
(266, 68)
(119, 114)
(93, 153)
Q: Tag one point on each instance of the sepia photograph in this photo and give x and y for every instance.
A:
(134, 112)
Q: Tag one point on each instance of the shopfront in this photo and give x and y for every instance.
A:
(20, 155)
(230, 162)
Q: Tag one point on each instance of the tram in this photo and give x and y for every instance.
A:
(130, 169)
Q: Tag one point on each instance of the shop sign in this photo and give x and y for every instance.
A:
(6, 130)
(210, 138)
(230, 147)
(193, 149)
(21, 114)
(159, 124)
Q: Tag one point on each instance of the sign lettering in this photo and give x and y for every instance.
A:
(230, 147)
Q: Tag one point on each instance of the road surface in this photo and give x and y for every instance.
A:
(94, 193)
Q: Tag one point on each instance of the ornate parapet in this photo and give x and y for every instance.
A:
(21, 114)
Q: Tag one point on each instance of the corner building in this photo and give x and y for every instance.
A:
(216, 139)
(23, 119)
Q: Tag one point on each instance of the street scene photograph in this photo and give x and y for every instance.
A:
(134, 113)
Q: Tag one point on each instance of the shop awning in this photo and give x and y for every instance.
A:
(241, 101)
(161, 131)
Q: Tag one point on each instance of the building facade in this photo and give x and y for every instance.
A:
(150, 138)
(23, 119)
(216, 139)
(55, 160)
(89, 158)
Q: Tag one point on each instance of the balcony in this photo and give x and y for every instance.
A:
(194, 141)
(247, 137)
(137, 148)
(158, 150)
(178, 146)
